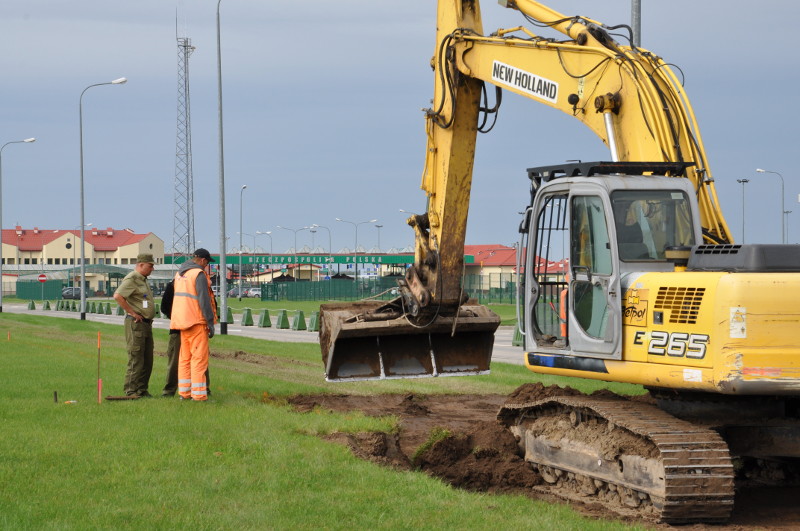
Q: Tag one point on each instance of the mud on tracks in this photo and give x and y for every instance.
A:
(458, 439)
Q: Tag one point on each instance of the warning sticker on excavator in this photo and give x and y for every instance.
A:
(738, 322)
(526, 82)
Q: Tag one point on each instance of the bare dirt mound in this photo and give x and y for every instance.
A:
(457, 438)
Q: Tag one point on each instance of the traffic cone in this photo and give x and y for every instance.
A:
(299, 322)
(516, 341)
(313, 322)
(247, 317)
(264, 320)
(283, 320)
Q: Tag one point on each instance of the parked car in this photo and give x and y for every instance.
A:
(254, 292)
(234, 292)
(71, 293)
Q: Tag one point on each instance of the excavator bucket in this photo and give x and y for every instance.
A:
(361, 342)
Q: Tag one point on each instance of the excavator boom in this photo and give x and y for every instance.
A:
(628, 96)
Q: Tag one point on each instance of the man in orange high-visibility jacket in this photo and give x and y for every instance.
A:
(194, 315)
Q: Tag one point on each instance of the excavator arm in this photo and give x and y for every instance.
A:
(628, 96)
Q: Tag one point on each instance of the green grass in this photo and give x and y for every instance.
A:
(237, 462)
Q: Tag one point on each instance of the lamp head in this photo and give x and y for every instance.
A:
(29, 140)
(759, 170)
(120, 81)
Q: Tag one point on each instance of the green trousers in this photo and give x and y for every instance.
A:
(173, 354)
(139, 342)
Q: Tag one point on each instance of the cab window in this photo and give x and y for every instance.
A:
(649, 221)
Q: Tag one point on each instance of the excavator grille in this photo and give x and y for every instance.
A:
(683, 304)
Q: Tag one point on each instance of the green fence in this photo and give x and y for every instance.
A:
(498, 288)
(495, 288)
(35, 290)
(327, 290)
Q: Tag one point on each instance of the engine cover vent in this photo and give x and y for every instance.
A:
(718, 249)
(749, 258)
(683, 304)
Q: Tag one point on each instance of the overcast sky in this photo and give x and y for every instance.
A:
(322, 114)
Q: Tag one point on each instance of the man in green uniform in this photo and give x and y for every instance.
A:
(135, 297)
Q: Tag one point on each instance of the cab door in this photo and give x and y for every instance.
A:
(572, 297)
(595, 310)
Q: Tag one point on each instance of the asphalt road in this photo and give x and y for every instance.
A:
(503, 351)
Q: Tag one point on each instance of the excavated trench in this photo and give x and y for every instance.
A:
(458, 439)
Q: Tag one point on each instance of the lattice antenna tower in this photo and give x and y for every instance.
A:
(183, 241)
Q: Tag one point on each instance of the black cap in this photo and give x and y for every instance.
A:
(202, 253)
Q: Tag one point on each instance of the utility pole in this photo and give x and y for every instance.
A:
(183, 240)
(742, 182)
(636, 22)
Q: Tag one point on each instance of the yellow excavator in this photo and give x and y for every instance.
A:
(657, 292)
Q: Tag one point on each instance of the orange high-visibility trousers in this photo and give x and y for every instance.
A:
(562, 312)
(193, 363)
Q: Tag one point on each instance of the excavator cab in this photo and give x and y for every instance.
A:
(590, 229)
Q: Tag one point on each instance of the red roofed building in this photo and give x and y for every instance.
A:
(491, 259)
(61, 247)
(494, 271)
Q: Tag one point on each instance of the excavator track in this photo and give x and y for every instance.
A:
(627, 452)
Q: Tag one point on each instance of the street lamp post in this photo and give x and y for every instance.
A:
(119, 81)
(26, 141)
(73, 255)
(355, 249)
(787, 212)
(742, 182)
(267, 233)
(315, 226)
(253, 250)
(223, 253)
(379, 236)
(330, 251)
(241, 208)
(783, 208)
(296, 259)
